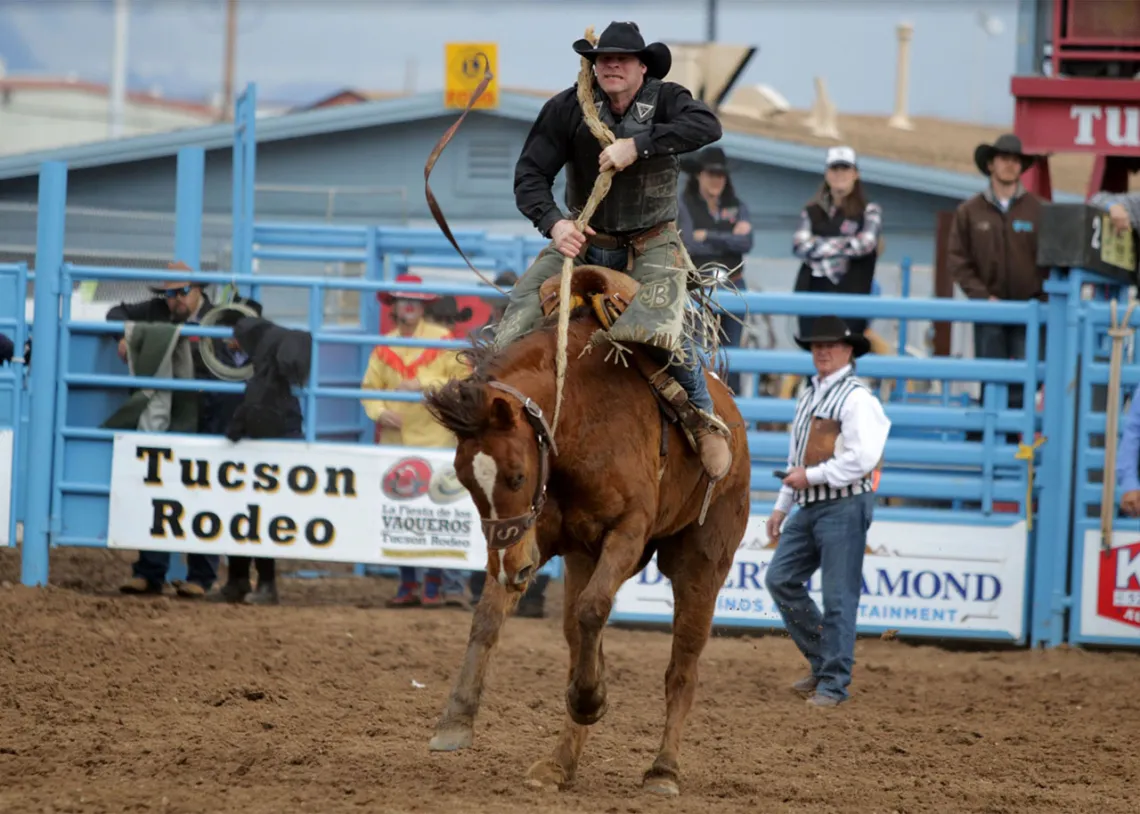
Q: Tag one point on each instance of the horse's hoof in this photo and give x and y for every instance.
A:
(546, 774)
(661, 786)
(451, 740)
(586, 711)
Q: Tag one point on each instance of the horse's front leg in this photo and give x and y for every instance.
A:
(455, 729)
(696, 582)
(560, 768)
(621, 550)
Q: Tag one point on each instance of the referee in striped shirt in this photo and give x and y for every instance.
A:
(837, 441)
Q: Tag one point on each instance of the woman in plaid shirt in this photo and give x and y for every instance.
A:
(838, 237)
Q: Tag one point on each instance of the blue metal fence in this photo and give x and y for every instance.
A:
(945, 474)
(1078, 587)
(13, 391)
(948, 458)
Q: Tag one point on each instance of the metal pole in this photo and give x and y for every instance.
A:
(231, 58)
(118, 89)
(51, 218)
(188, 204)
(710, 21)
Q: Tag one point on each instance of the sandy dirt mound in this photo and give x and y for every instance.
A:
(114, 704)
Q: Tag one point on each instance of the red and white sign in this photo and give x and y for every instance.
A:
(1110, 587)
(1054, 126)
(1077, 116)
(1106, 125)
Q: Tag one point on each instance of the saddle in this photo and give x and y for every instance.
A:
(608, 293)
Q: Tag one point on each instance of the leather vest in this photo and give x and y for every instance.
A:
(642, 195)
(860, 270)
(703, 219)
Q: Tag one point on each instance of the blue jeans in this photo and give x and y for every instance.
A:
(832, 536)
(692, 377)
(200, 568)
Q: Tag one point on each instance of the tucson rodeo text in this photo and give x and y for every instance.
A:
(250, 483)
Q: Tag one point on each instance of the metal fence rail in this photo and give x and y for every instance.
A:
(13, 392)
(978, 536)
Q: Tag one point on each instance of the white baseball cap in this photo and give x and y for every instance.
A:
(841, 155)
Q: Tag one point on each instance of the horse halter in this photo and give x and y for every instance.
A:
(504, 533)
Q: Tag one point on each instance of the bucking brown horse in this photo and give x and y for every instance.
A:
(617, 485)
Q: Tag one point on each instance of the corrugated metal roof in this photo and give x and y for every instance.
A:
(514, 106)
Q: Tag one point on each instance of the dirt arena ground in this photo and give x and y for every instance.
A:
(326, 703)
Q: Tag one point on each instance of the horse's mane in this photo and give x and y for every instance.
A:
(463, 405)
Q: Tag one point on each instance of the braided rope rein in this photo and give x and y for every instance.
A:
(601, 188)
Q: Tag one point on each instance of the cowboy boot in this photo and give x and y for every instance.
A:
(686, 392)
(407, 596)
(716, 454)
(232, 591)
(433, 591)
(533, 602)
(264, 594)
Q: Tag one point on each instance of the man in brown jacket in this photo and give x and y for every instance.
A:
(993, 248)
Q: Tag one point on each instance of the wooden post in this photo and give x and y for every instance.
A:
(943, 282)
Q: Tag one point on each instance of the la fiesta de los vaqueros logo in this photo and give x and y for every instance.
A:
(445, 486)
(1118, 584)
(407, 479)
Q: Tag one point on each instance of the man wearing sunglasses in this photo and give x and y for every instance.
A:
(183, 302)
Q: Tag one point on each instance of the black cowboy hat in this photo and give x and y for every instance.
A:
(710, 158)
(625, 38)
(833, 329)
(1008, 144)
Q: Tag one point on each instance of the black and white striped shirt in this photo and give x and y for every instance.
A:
(863, 434)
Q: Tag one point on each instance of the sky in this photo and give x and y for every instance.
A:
(298, 50)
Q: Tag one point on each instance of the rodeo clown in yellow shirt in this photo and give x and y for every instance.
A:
(408, 423)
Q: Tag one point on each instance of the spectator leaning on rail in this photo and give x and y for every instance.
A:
(396, 367)
(992, 249)
(186, 303)
(714, 224)
(837, 441)
(8, 351)
(269, 409)
(1123, 208)
(838, 236)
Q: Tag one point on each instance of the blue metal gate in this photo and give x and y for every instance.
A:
(13, 395)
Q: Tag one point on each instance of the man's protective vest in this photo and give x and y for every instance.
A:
(643, 194)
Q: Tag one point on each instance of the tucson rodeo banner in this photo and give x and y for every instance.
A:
(334, 503)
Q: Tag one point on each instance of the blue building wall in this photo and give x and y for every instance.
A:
(473, 181)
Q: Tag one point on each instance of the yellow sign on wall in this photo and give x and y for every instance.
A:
(465, 64)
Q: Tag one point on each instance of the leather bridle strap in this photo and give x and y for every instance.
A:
(505, 532)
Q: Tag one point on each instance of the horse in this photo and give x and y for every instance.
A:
(618, 485)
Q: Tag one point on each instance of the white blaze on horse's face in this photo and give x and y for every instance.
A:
(486, 472)
(514, 565)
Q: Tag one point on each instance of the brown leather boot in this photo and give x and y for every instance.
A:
(716, 454)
